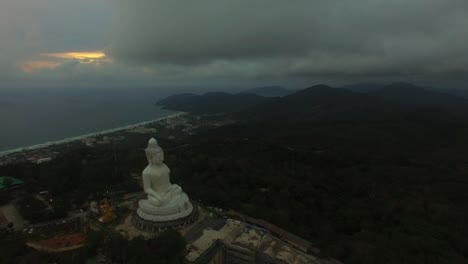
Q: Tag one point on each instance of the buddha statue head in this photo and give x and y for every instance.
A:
(154, 153)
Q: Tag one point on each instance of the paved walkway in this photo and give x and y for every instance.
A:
(197, 229)
(12, 215)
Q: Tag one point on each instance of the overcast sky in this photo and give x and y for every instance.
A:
(228, 43)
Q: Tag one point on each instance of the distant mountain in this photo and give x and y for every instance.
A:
(363, 87)
(269, 91)
(457, 92)
(320, 102)
(211, 103)
(412, 96)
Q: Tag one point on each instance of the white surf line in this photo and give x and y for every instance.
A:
(89, 135)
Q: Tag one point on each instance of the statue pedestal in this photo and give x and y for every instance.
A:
(153, 222)
(164, 213)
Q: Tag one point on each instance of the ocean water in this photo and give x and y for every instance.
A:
(28, 118)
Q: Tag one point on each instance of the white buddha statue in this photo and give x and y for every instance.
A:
(166, 201)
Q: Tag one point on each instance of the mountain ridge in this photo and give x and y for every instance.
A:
(321, 101)
(269, 91)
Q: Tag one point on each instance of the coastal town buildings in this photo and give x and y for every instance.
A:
(173, 127)
(38, 156)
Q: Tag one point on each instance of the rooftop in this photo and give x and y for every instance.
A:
(14, 181)
(210, 236)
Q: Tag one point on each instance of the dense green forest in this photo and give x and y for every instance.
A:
(360, 193)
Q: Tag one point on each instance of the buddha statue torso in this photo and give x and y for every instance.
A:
(157, 185)
(158, 177)
(166, 201)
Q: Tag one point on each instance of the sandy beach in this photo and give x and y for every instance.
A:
(89, 135)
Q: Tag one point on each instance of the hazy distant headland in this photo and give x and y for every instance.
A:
(323, 101)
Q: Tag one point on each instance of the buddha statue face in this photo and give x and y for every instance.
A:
(154, 153)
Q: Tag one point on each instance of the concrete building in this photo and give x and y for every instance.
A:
(240, 243)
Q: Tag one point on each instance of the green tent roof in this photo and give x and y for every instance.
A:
(14, 181)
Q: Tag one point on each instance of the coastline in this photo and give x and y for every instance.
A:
(88, 135)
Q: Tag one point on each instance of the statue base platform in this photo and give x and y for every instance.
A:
(160, 225)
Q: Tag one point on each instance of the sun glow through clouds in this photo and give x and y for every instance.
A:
(50, 61)
(83, 55)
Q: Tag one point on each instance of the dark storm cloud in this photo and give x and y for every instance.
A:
(295, 38)
(31, 27)
(75, 25)
(19, 33)
(179, 42)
